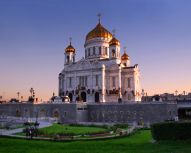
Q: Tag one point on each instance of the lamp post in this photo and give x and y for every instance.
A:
(18, 94)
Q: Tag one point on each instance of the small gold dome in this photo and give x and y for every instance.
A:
(124, 57)
(114, 41)
(70, 48)
(99, 31)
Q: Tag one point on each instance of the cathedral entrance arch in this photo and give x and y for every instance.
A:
(83, 96)
(70, 96)
(96, 97)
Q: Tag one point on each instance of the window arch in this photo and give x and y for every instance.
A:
(129, 97)
(67, 59)
(105, 50)
(94, 50)
(100, 50)
(88, 51)
(113, 53)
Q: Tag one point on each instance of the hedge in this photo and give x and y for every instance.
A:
(171, 130)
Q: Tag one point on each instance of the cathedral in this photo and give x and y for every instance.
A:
(103, 87)
(103, 75)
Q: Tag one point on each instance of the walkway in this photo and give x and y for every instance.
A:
(13, 131)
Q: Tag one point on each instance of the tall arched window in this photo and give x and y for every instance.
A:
(67, 59)
(93, 50)
(100, 50)
(73, 59)
(113, 53)
(129, 82)
(88, 51)
(85, 53)
(105, 50)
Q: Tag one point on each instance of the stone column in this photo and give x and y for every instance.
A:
(103, 82)
(119, 87)
(75, 84)
(59, 84)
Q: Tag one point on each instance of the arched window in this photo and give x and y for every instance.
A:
(129, 97)
(71, 97)
(88, 51)
(100, 50)
(97, 79)
(105, 50)
(93, 50)
(113, 81)
(113, 53)
(67, 59)
(129, 82)
(73, 58)
(97, 97)
(85, 53)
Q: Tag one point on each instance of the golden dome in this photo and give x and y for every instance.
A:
(124, 57)
(70, 48)
(114, 41)
(99, 31)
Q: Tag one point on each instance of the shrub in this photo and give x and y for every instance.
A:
(171, 131)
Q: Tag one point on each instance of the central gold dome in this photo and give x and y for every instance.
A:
(99, 31)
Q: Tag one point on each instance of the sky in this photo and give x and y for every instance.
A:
(34, 34)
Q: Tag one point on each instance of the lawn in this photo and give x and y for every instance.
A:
(68, 129)
(137, 143)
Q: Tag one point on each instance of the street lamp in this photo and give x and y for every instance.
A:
(18, 94)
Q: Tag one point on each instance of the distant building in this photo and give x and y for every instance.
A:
(167, 97)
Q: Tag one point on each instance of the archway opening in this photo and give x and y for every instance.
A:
(18, 113)
(96, 97)
(113, 53)
(83, 96)
(56, 114)
(70, 96)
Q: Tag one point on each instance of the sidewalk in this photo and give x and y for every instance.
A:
(13, 131)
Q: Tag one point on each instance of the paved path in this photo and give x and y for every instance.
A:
(46, 124)
(13, 131)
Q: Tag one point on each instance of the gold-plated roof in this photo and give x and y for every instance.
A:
(114, 41)
(98, 31)
(70, 48)
(124, 57)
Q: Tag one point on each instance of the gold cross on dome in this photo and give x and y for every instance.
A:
(70, 39)
(114, 32)
(99, 17)
(124, 48)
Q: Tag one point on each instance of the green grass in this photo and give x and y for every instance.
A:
(137, 143)
(67, 129)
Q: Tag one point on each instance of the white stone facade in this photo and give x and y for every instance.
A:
(102, 76)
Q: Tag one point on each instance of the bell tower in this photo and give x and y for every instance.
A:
(114, 47)
(70, 53)
(125, 59)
